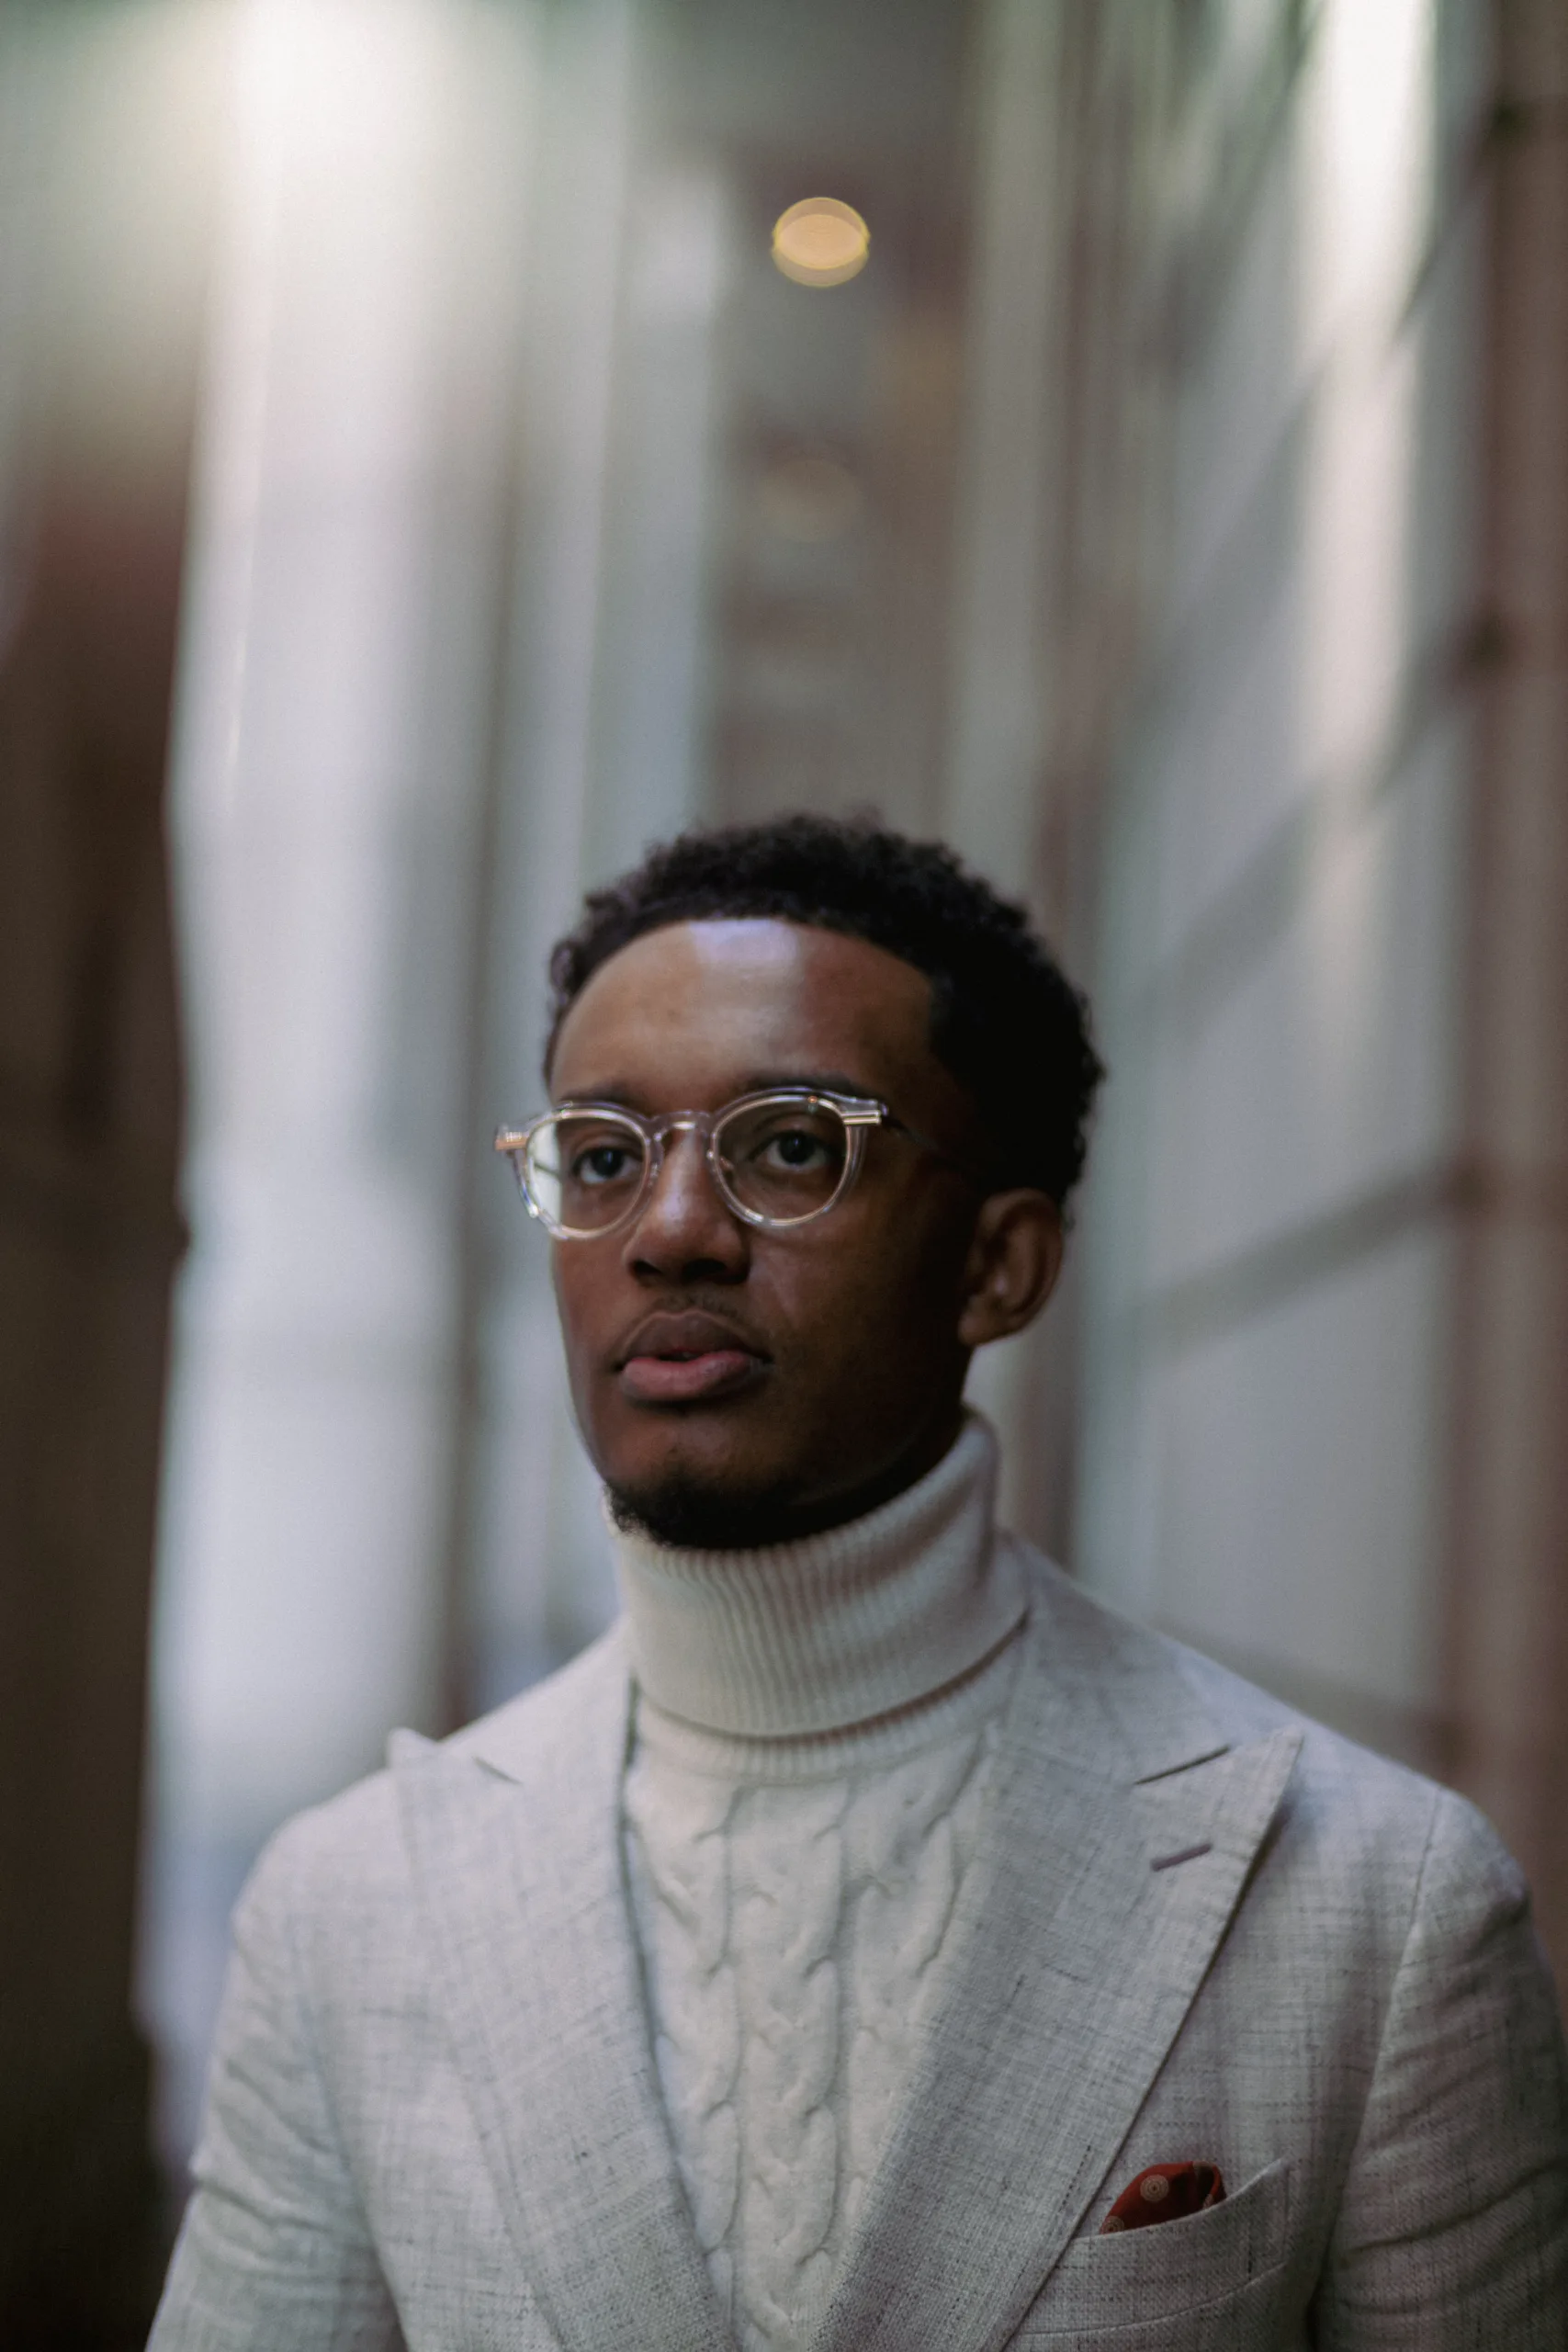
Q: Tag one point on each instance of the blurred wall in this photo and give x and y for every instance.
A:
(1283, 854)
(1507, 1615)
(1305, 688)
(105, 165)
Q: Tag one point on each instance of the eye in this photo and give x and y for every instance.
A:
(795, 1148)
(604, 1163)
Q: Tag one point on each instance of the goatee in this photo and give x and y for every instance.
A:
(688, 1516)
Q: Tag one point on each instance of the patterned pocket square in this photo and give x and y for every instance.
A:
(1164, 2193)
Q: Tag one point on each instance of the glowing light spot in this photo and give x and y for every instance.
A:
(820, 242)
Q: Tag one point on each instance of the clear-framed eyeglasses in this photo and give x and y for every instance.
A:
(776, 1159)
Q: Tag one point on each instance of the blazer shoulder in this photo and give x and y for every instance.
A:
(342, 1858)
(352, 1847)
(1339, 1778)
(587, 1699)
(1339, 1786)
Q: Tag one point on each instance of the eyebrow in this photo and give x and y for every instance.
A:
(634, 1098)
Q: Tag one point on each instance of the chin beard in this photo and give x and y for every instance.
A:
(688, 1516)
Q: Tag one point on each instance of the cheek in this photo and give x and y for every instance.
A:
(887, 1295)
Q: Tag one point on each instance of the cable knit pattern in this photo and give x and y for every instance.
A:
(794, 1897)
(792, 1935)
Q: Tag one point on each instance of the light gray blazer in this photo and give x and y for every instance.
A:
(1203, 1930)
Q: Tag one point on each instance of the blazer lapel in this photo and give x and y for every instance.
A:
(513, 1830)
(1122, 1833)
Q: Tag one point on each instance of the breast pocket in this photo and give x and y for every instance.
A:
(1211, 2283)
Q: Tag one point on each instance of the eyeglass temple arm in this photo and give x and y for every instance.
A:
(880, 1116)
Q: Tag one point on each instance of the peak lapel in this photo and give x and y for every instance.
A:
(513, 1834)
(1079, 1961)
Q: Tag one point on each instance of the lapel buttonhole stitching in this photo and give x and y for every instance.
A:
(1183, 1854)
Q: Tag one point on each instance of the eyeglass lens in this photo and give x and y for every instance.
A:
(782, 1161)
(583, 1170)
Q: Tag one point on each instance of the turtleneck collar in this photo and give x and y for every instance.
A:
(836, 1629)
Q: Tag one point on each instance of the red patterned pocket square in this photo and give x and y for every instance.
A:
(1164, 2193)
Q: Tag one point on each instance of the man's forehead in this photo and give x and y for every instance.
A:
(746, 994)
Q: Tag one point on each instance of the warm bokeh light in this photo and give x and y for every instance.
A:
(820, 242)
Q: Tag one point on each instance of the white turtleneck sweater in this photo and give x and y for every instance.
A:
(813, 1728)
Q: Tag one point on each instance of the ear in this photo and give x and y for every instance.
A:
(1014, 1259)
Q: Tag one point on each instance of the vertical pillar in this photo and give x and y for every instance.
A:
(105, 176)
(1509, 1650)
(331, 794)
(995, 808)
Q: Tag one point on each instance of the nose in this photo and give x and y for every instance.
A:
(684, 1232)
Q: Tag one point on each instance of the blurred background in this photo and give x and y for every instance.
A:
(421, 484)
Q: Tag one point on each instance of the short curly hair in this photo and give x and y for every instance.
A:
(1005, 1018)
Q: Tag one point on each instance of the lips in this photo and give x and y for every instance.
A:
(686, 1359)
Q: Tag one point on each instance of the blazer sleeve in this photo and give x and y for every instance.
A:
(1453, 2227)
(274, 2250)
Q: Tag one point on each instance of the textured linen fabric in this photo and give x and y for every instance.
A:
(794, 1895)
(1200, 1928)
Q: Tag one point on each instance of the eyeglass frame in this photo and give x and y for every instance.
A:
(860, 1113)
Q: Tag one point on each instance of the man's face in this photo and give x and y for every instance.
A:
(823, 1365)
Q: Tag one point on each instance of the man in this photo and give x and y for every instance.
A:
(872, 1933)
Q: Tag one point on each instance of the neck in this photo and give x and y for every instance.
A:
(833, 1628)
